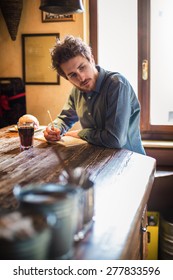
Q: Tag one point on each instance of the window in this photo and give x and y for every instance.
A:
(155, 44)
(155, 56)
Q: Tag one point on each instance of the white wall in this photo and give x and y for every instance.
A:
(117, 37)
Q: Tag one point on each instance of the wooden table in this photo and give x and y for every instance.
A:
(123, 181)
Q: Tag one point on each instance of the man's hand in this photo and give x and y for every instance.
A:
(73, 133)
(52, 134)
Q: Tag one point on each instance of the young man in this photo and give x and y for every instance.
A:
(104, 102)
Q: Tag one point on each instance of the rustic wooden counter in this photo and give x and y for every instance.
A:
(123, 181)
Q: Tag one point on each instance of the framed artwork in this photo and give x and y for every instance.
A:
(48, 17)
(36, 59)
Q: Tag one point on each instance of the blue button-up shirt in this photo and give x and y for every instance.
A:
(109, 115)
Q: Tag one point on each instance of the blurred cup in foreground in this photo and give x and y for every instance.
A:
(26, 133)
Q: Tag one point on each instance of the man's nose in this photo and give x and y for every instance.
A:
(81, 76)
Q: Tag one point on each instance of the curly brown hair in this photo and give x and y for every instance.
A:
(67, 49)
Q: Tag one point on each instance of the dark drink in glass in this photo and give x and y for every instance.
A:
(26, 133)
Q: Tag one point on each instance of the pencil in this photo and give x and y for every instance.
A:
(50, 118)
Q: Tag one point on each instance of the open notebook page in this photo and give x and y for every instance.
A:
(65, 140)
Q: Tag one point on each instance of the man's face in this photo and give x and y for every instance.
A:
(81, 72)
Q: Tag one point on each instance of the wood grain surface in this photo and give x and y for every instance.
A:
(122, 184)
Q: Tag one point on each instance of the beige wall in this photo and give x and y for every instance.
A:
(39, 98)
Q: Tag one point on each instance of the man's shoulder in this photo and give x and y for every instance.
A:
(107, 77)
(114, 77)
(75, 93)
(75, 90)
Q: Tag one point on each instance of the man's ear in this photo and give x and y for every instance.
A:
(92, 59)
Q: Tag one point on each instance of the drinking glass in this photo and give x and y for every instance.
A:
(26, 133)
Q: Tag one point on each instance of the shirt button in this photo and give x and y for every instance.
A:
(89, 114)
(89, 97)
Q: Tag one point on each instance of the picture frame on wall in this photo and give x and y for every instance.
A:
(36, 59)
(49, 17)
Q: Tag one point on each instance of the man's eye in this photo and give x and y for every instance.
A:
(82, 68)
(74, 75)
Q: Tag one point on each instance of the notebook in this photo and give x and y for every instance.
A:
(65, 140)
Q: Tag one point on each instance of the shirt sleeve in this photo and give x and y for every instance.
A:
(67, 117)
(114, 134)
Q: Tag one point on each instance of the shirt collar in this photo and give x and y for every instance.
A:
(99, 79)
